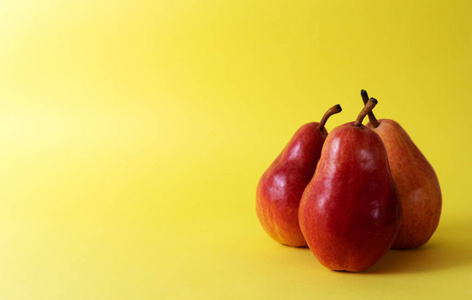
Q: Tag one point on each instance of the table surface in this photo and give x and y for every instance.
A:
(133, 135)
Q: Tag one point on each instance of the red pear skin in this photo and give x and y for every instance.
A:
(281, 186)
(417, 185)
(350, 213)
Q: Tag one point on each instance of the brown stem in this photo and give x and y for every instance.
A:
(367, 108)
(333, 110)
(372, 118)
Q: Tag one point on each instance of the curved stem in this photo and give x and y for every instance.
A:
(333, 110)
(373, 120)
(367, 108)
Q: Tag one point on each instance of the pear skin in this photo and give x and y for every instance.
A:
(417, 185)
(281, 186)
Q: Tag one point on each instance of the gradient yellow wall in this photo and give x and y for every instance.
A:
(133, 134)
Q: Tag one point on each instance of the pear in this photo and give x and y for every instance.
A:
(416, 181)
(281, 186)
(350, 213)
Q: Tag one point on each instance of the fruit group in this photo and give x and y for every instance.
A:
(349, 213)
(416, 181)
(282, 184)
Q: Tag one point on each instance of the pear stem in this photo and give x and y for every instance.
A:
(367, 108)
(333, 110)
(373, 120)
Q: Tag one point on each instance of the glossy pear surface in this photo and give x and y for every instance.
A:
(417, 185)
(350, 213)
(281, 186)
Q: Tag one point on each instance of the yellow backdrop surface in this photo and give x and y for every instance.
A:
(133, 135)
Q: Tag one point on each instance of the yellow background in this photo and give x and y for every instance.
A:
(133, 134)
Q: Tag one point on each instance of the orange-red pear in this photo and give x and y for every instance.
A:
(416, 181)
(281, 186)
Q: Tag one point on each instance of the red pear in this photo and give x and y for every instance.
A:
(417, 183)
(281, 186)
(349, 213)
